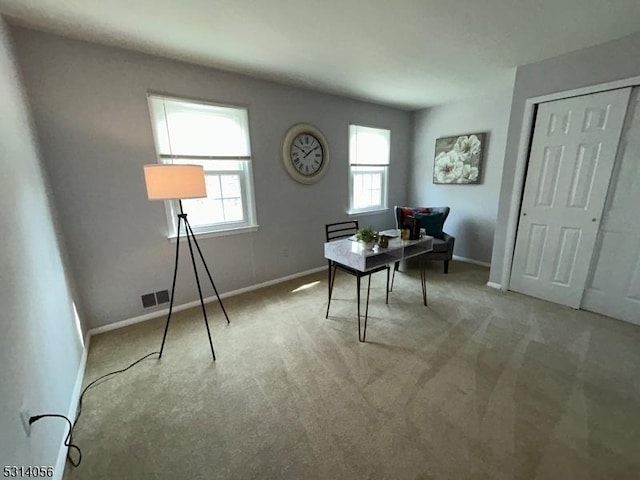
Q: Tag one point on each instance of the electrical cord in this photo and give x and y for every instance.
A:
(67, 440)
(72, 425)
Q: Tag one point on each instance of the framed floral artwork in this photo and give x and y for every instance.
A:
(458, 159)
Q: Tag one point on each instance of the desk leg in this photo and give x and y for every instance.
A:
(358, 295)
(423, 281)
(387, 301)
(362, 333)
(366, 310)
(332, 279)
(396, 267)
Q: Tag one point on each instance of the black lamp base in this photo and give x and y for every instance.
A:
(191, 240)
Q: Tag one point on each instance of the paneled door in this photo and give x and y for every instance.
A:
(614, 285)
(572, 156)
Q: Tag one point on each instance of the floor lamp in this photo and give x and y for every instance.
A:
(179, 182)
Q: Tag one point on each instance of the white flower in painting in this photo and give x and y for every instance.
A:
(448, 167)
(468, 148)
(469, 174)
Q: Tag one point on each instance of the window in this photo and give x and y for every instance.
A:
(368, 168)
(216, 137)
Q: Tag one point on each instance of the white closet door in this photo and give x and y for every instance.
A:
(572, 155)
(614, 285)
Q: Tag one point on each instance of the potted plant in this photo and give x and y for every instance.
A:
(367, 237)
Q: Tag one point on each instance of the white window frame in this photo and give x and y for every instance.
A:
(361, 164)
(244, 170)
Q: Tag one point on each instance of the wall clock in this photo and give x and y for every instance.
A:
(305, 153)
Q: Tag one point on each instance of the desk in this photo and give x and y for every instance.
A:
(351, 254)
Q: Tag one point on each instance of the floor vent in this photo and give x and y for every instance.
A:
(148, 300)
(162, 296)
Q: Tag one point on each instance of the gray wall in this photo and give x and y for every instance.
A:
(90, 108)
(40, 348)
(473, 207)
(608, 62)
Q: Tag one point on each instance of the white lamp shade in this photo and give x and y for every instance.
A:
(174, 182)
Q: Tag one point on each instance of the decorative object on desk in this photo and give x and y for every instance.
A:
(305, 153)
(413, 225)
(383, 241)
(458, 159)
(367, 237)
(178, 182)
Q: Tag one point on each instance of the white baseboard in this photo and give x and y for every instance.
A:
(185, 306)
(471, 260)
(497, 286)
(61, 461)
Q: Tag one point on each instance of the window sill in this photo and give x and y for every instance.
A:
(367, 212)
(218, 233)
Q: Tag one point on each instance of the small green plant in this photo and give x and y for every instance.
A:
(366, 235)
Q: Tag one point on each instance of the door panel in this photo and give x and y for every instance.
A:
(595, 118)
(614, 285)
(584, 175)
(548, 184)
(566, 256)
(570, 164)
(537, 237)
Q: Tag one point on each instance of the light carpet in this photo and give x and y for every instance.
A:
(479, 384)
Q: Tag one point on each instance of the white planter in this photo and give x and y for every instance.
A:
(367, 245)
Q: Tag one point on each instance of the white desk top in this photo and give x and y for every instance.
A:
(352, 254)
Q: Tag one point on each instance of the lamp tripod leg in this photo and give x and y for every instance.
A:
(173, 288)
(188, 226)
(195, 272)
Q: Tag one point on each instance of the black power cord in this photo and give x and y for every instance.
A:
(72, 425)
(67, 440)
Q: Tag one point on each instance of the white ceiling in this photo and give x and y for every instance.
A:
(406, 53)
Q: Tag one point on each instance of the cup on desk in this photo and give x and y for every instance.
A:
(383, 241)
(414, 228)
(405, 233)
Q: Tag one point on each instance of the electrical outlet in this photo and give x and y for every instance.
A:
(25, 415)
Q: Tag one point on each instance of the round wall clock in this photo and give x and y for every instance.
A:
(305, 153)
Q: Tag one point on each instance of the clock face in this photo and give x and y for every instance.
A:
(307, 155)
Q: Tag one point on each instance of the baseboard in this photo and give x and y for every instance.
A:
(213, 298)
(471, 260)
(61, 461)
(497, 286)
